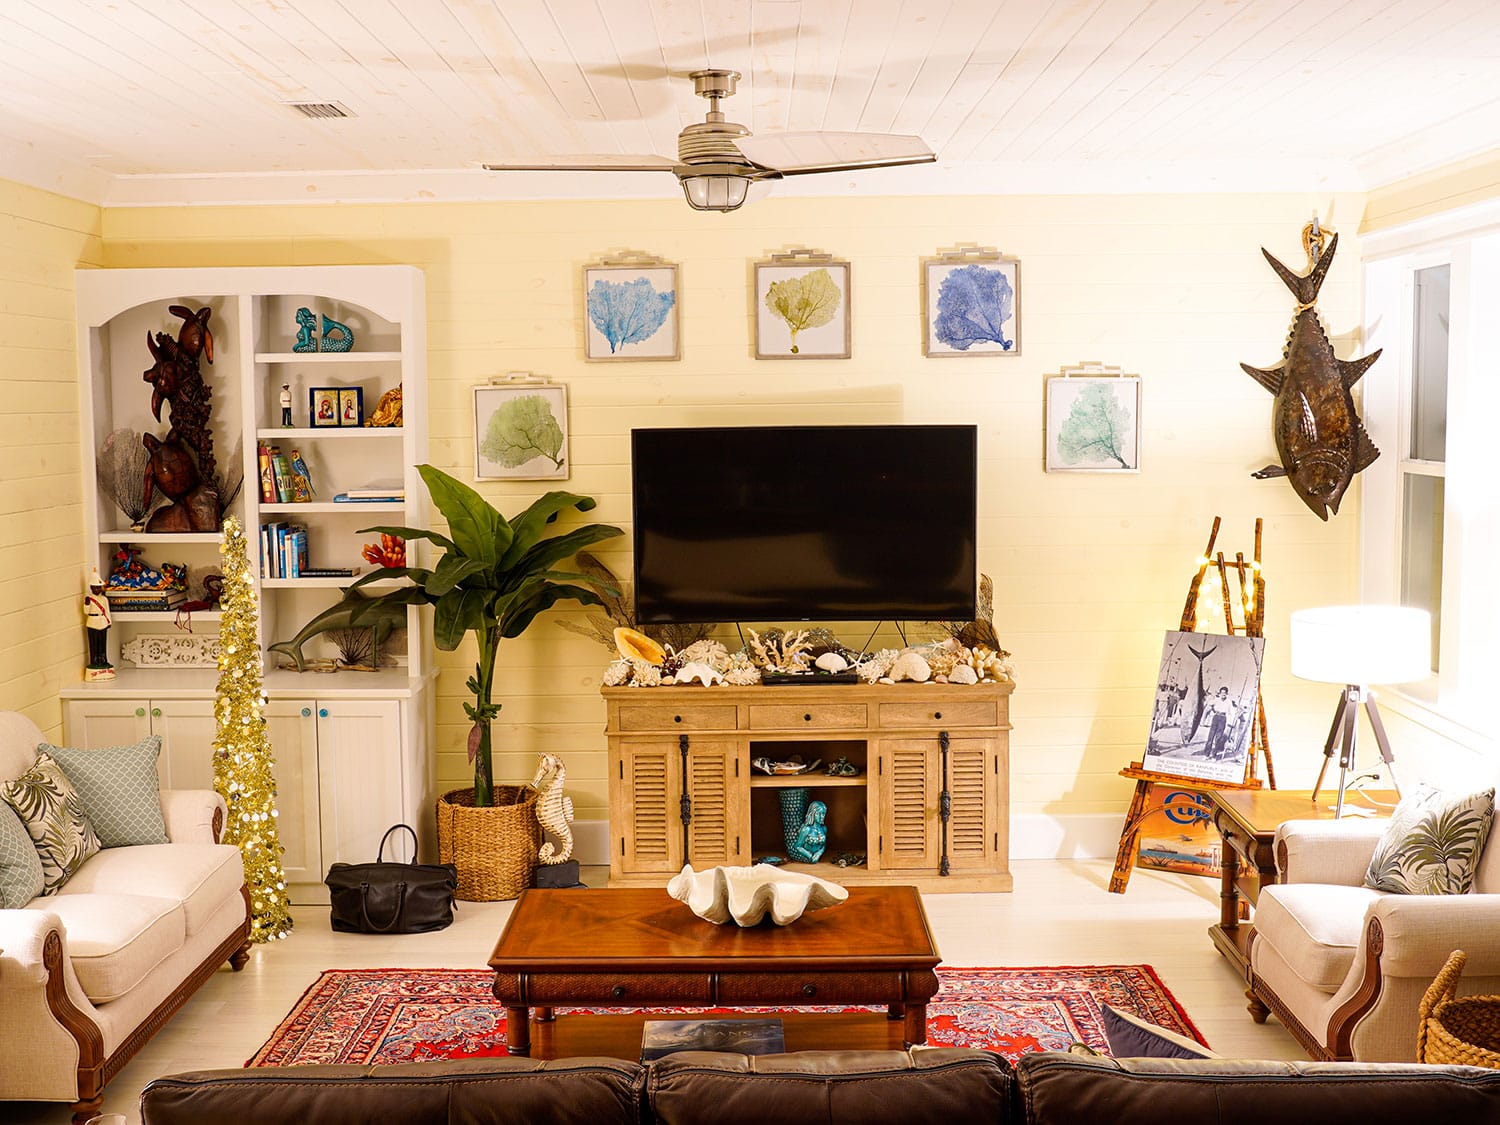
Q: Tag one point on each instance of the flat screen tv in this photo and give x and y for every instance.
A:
(804, 523)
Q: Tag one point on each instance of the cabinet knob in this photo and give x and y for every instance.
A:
(809, 990)
(807, 718)
(156, 712)
(677, 718)
(937, 714)
(140, 712)
(322, 712)
(306, 711)
(617, 991)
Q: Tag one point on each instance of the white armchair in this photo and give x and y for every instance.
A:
(1343, 966)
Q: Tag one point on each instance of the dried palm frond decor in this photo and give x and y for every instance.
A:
(617, 610)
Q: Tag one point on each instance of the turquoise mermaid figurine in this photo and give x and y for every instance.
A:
(812, 837)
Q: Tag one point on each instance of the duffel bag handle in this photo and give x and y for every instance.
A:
(380, 854)
(364, 908)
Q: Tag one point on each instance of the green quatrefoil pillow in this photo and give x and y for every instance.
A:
(49, 808)
(119, 788)
(1432, 844)
(20, 866)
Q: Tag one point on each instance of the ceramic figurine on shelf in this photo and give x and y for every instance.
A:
(302, 486)
(813, 836)
(307, 325)
(286, 406)
(387, 410)
(336, 336)
(96, 618)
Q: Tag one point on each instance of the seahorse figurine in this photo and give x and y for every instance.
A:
(553, 810)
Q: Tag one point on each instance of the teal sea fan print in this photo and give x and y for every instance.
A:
(628, 312)
(974, 302)
(1097, 429)
(521, 429)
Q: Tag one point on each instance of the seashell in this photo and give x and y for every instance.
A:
(963, 674)
(831, 662)
(748, 894)
(705, 674)
(635, 645)
(707, 652)
(911, 666)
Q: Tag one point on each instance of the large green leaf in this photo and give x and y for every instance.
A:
(530, 524)
(524, 610)
(417, 574)
(452, 570)
(478, 530)
(565, 546)
(457, 612)
(412, 533)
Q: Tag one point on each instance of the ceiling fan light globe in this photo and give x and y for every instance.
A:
(715, 192)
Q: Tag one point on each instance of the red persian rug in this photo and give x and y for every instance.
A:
(366, 1016)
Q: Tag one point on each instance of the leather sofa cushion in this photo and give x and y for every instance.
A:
(114, 940)
(1315, 927)
(941, 1086)
(200, 876)
(508, 1091)
(1056, 1088)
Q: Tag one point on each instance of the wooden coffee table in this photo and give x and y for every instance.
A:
(640, 948)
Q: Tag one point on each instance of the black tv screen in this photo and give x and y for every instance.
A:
(804, 523)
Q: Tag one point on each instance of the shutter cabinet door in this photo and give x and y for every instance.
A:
(720, 798)
(650, 824)
(971, 823)
(909, 781)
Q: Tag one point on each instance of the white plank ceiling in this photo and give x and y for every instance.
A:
(149, 101)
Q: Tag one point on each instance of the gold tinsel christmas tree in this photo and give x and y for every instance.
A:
(242, 749)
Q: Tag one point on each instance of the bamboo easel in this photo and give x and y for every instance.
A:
(1252, 599)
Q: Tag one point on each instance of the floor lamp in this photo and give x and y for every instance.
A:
(1356, 646)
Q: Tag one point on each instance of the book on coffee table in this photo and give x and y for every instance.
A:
(744, 1037)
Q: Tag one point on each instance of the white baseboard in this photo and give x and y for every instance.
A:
(1033, 836)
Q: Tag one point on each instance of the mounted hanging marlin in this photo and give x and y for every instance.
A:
(1318, 434)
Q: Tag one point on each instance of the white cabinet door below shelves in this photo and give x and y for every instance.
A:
(359, 778)
(293, 728)
(187, 728)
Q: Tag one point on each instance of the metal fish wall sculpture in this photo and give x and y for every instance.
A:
(1318, 435)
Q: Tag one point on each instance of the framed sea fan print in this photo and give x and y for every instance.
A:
(802, 306)
(521, 428)
(971, 303)
(630, 308)
(1093, 421)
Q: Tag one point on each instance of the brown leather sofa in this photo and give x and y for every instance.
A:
(924, 1087)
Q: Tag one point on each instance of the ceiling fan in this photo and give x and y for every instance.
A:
(718, 160)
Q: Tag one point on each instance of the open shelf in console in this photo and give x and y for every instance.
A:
(847, 798)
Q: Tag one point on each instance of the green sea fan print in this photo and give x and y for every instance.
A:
(809, 301)
(1097, 429)
(522, 429)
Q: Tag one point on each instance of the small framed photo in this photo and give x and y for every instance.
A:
(802, 307)
(630, 304)
(323, 406)
(521, 429)
(1093, 421)
(351, 406)
(971, 304)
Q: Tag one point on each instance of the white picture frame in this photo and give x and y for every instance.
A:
(971, 304)
(787, 291)
(631, 310)
(1093, 421)
(516, 416)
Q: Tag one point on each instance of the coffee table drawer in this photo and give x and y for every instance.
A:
(809, 988)
(617, 988)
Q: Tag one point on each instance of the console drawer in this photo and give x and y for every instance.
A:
(810, 988)
(813, 716)
(939, 716)
(609, 988)
(690, 716)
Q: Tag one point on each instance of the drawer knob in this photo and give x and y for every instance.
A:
(809, 990)
(937, 714)
(677, 718)
(617, 991)
(807, 718)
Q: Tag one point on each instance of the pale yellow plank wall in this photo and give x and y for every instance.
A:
(1088, 570)
(43, 239)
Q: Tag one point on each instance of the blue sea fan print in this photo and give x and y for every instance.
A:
(974, 302)
(628, 312)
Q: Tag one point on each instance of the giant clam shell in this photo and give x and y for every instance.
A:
(748, 894)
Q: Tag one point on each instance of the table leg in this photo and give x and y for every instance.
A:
(1229, 891)
(518, 1031)
(895, 1011)
(544, 1015)
(916, 1024)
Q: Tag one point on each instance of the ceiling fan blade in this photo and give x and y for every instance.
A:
(798, 154)
(587, 162)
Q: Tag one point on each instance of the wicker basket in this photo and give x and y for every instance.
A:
(495, 848)
(1462, 1030)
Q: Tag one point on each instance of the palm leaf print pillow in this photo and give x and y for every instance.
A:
(49, 807)
(1432, 844)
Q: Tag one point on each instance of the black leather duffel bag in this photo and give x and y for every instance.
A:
(391, 898)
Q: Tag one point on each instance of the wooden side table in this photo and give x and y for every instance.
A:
(1247, 820)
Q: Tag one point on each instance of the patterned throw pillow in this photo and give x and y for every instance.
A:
(49, 807)
(20, 866)
(1432, 844)
(119, 788)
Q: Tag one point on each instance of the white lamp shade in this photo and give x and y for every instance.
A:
(1362, 644)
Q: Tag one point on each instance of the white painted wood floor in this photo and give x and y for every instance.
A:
(1059, 914)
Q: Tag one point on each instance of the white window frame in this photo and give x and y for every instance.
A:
(1463, 701)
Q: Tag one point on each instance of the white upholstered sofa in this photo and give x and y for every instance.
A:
(89, 974)
(1344, 967)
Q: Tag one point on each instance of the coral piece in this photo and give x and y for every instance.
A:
(963, 674)
(741, 671)
(781, 652)
(636, 646)
(644, 675)
(945, 656)
(697, 670)
(617, 674)
(748, 894)
(873, 668)
(712, 653)
(911, 666)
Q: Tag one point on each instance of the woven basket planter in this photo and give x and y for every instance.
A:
(494, 849)
(1458, 1030)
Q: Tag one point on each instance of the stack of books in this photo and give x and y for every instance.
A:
(133, 600)
(373, 493)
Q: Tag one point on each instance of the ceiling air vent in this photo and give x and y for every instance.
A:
(320, 109)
